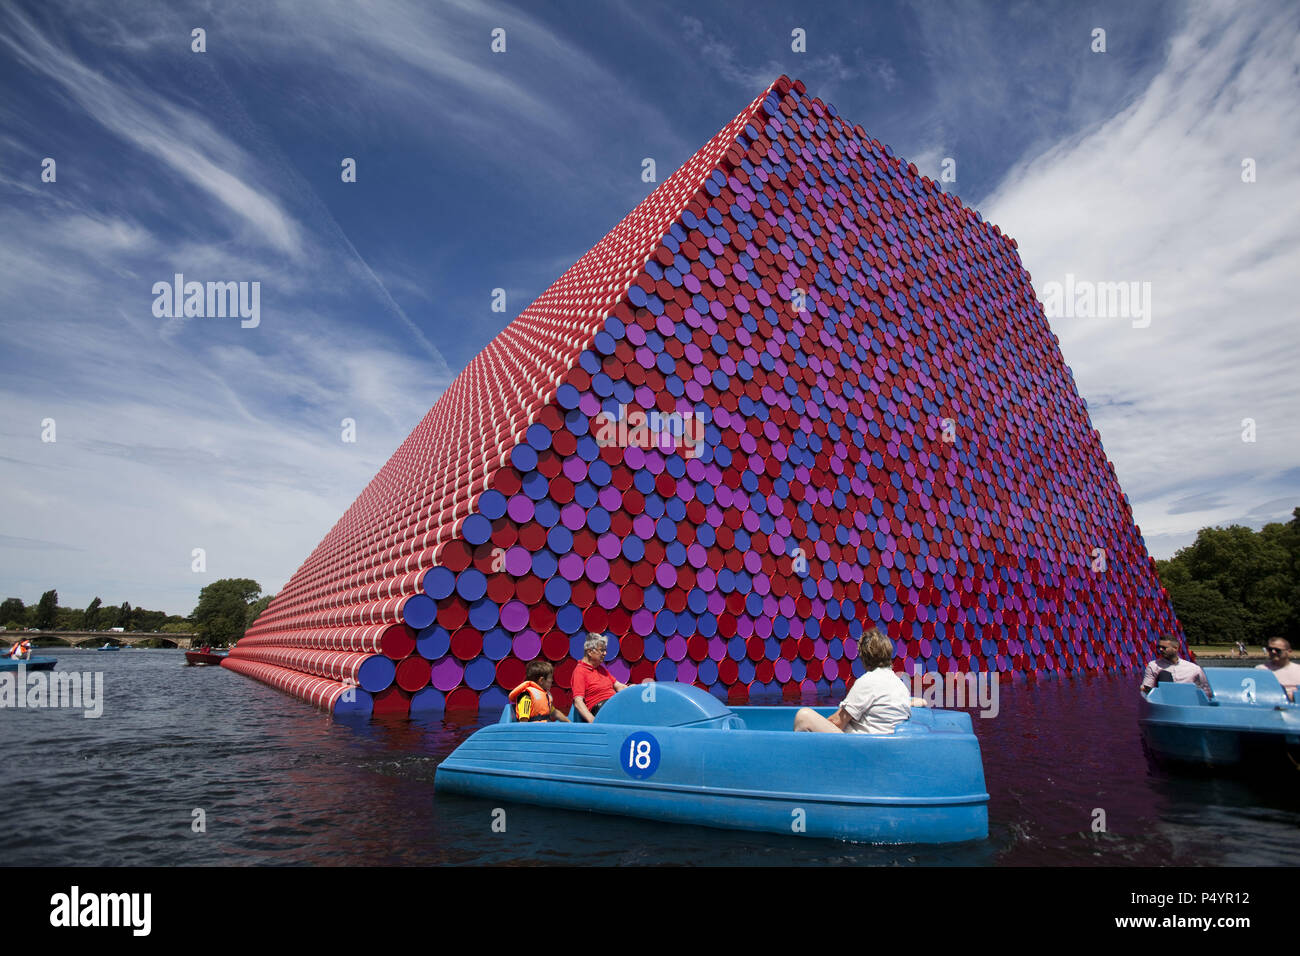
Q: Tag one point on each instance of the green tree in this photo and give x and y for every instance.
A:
(92, 614)
(1173, 572)
(1234, 583)
(124, 616)
(256, 608)
(47, 610)
(222, 612)
(1287, 538)
(145, 620)
(69, 619)
(1247, 568)
(1207, 616)
(13, 609)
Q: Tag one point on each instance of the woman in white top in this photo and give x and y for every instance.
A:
(878, 701)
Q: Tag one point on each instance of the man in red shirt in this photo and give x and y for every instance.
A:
(592, 683)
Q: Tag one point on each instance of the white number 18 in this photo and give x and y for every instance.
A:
(639, 755)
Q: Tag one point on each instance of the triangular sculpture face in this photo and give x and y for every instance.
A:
(799, 391)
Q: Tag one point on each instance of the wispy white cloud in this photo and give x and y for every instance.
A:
(193, 433)
(743, 66)
(175, 434)
(181, 139)
(1155, 194)
(429, 69)
(234, 448)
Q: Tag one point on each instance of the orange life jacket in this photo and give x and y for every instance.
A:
(531, 702)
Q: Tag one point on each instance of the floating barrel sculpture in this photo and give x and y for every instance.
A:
(797, 392)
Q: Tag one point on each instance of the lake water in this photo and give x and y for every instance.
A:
(277, 782)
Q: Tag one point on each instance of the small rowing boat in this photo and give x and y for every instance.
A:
(203, 658)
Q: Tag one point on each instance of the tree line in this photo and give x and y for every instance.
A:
(48, 615)
(225, 610)
(1235, 584)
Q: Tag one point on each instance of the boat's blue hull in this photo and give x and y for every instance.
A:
(924, 784)
(1249, 724)
(35, 664)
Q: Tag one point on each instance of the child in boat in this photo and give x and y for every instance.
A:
(878, 701)
(532, 699)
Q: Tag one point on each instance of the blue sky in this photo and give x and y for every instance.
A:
(479, 170)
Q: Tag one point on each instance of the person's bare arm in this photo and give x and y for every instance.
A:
(581, 706)
(840, 718)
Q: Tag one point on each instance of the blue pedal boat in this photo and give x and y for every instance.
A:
(675, 753)
(32, 664)
(1248, 725)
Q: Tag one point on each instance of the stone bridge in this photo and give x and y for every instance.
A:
(99, 638)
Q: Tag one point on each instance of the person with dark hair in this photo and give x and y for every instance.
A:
(1284, 669)
(532, 698)
(877, 702)
(1170, 667)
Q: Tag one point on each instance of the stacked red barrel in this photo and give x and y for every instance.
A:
(797, 392)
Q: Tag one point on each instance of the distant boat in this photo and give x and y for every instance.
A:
(110, 647)
(32, 664)
(202, 658)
